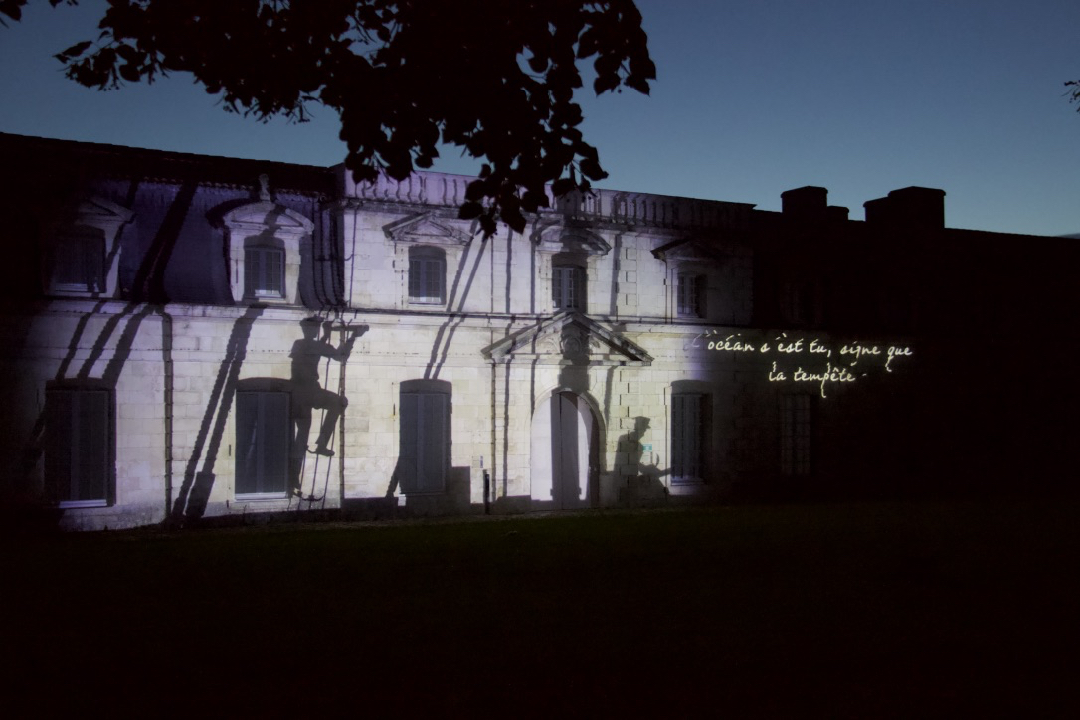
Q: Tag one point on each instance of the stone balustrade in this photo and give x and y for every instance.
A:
(623, 208)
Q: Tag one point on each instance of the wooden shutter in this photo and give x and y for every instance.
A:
(686, 432)
(262, 443)
(433, 442)
(425, 442)
(409, 448)
(78, 441)
(416, 279)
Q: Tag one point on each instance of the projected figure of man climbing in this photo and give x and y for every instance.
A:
(307, 392)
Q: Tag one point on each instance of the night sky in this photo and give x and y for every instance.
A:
(752, 98)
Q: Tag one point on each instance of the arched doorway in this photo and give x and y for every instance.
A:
(564, 453)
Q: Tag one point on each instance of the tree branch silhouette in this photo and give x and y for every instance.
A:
(494, 78)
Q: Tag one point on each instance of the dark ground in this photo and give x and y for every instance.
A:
(945, 609)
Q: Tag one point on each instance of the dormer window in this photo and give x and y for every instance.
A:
(263, 241)
(264, 272)
(82, 258)
(78, 262)
(427, 275)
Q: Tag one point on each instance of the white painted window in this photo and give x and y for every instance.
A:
(427, 275)
(568, 287)
(78, 447)
(689, 302)
(262, 444)
(264, 272)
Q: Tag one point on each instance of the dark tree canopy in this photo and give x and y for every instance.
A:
(495, 77)
(1074, 92)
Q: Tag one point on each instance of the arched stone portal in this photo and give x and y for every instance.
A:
(565, 453)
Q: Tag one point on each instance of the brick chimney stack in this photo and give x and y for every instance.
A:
(910, 207)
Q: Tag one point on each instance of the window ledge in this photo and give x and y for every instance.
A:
(76, 504)
(261, 497)
(687, 481)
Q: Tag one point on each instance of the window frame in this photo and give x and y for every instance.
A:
(572, 295)
(427, 266)
(81, 248)
(91, 231)
(263, 225)
(695, 308)
(256, 258)
(66, 445)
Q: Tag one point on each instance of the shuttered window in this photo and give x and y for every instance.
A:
(796, 434)
(262, 444)
(425, 442)
(686, 435)
(427, 275)
(264, 272)
(78, 447)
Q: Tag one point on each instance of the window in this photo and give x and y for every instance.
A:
(687, 415)
(262, 246)
(78, 263)
(568, 287)
(796, 436)
(425, 437)
(264, 272)
(262, 444)
(800, 303)
(690, 288)
(427, 275)
(83, 258)
(78, 447)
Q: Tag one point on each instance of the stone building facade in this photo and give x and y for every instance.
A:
(189, 338)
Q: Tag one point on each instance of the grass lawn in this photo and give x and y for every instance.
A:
(849, 610)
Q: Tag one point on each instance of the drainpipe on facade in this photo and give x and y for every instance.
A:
(167, 362)
(494, 458)
(341, 425)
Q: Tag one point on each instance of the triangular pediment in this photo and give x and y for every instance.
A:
(95, 210)
(568, 338)
(264, 214)
(684, 250)
(425, 229)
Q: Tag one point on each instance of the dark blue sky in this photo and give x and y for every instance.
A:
(752, 98)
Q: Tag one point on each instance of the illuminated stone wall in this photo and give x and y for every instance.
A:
(823, 360)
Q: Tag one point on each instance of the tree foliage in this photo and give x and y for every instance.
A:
(495, 77)
(1074, 93)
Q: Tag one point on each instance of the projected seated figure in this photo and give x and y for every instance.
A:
(307, 392)
(644, 478)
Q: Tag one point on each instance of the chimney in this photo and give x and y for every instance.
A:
(805, 203)
(910, 207)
